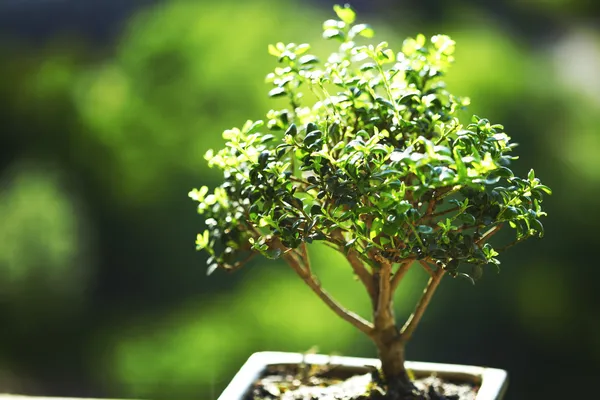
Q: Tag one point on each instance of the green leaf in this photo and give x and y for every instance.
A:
(263, 158)
(387, 55)
(302, 48)
(362, 227)
(403, 206)
(312, 137)
(446, 174)
(292, 130)
(334, 132)
(408, 98)
(333, 24)
(510, 212)
(311, 126)
(202, 240)
(368, 66)
(350, 242)
(277, 92)
(345, 13)
(537, 225)
(333, 34)
(254, 126)
(274, 51)
(376, 227)
(385, 102)
(198, 194)
(466, 276)
(267, 138)
(503, 172)
(211, 268)
(363, 30)
(544, 189)
(273, 254)
(308, 59)
(466, 218)
(425, 229)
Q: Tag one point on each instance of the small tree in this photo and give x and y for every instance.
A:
(378, 167)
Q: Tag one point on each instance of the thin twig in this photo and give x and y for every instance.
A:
(305, 257)
(397, 277)
(299, 180)
(439, 214)
(357, 264)
(304, 273)
(363, 274)
(412, 322)
(430, 209)
(486, 236)
(239, 264)
(511, 244)
(431, 206)
(426, 267)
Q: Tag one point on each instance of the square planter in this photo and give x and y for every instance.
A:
(23, 397)
(492, 382)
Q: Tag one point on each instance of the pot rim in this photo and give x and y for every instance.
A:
(493, 382)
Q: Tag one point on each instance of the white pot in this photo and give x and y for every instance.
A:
(492, 382)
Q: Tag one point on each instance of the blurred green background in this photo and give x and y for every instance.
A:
(106, 109)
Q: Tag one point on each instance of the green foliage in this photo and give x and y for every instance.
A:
(146, 105)
(43, 247)
(378, 163)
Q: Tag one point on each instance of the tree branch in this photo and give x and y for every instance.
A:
(304, 273)
(439, 214)
(305, 257)
(363, 274)
(412, 322)
(511, 244)
(299, 180)
(358, 266)
(431, 207)
(426, 267)
(486, 236)
(384, 294)
(239, 264)
(397, 277)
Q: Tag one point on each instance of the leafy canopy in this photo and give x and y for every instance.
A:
(376, 161)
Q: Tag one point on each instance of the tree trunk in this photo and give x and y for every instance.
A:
(390, 348)
(392, 360)
(391, 353)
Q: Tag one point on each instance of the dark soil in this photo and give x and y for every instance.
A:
(325, 383)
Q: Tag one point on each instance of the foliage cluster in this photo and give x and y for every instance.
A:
(378, 164)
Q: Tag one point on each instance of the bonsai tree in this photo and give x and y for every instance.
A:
(370, 158)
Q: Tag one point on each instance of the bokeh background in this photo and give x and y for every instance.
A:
(106, 109)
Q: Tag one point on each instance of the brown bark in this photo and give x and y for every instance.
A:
(363, 274)
(391, 354)
(414, 319)
(381, 285)
(389, 340)
(390, 350)
(397, 278)
(300, 263)
(386, 336)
